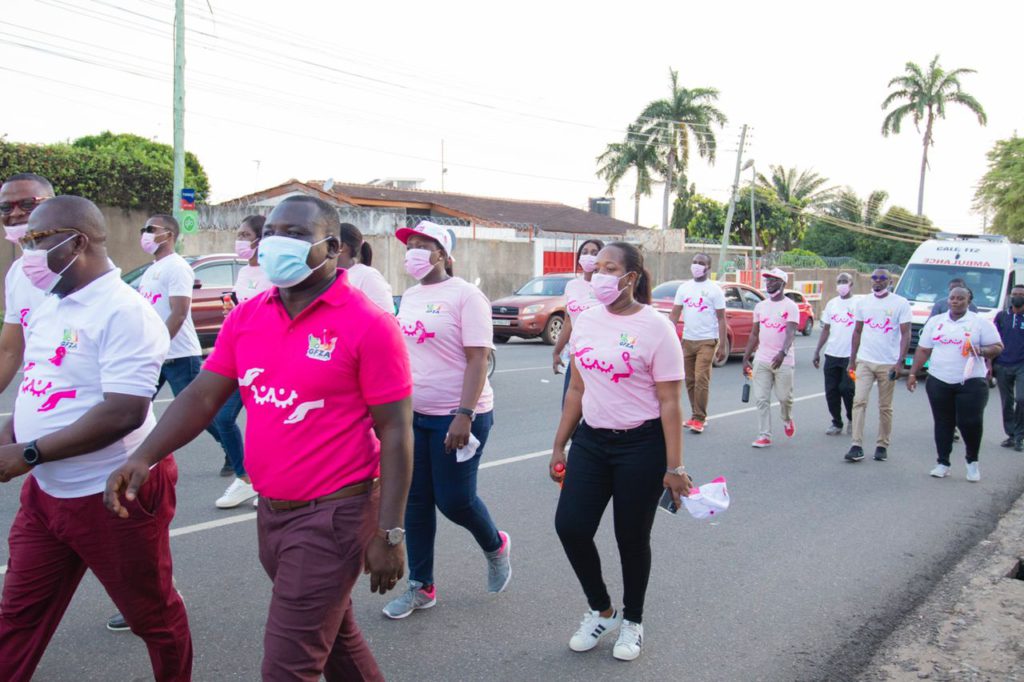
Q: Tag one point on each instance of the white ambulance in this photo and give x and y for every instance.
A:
(989, 264)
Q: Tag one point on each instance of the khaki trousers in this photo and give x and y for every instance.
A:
(766, 378)
(867, 374)
(698, 357)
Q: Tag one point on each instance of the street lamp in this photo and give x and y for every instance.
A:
(753, 222)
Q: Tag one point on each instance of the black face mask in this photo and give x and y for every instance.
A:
(1017, 301)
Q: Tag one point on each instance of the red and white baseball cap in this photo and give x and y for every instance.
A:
(709, 500)
(777, 273)
(425, 228)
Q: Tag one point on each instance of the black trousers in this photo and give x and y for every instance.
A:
(838, 389)
(626, 467)
(959, 406)
(1010, 379)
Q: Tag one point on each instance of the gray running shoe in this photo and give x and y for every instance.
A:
(414, 599)
(834, 430)
(499, 568)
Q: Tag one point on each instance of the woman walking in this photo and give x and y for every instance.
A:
(626, 386)
(251, 281)
(956, 343)
(446, 322)
(578, 297)
(356, 257)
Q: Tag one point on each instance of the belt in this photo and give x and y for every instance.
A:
(619, 432)
(347, 491)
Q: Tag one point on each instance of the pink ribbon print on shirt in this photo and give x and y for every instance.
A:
(150, 296)
(779, 326)
(697, 305)
(846, 319)
(597, 365)
(945, 340)
(885, 327)
(418, 328)
(281, 398)
(37, 388)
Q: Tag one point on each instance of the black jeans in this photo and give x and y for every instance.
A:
(838, 389)
(959, 406)
(627, 467)
(1010, 379)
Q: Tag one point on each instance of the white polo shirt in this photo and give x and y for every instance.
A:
(100, 339)
(21, 297)
(169, 277)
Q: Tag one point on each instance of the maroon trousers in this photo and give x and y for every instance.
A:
(54, 540)
(314, 555)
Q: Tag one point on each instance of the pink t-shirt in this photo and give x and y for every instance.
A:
(251, 281)
(773, 316)
(619, 358)
(578, 297)
(438, 322)
(307, 385)
(372, 283)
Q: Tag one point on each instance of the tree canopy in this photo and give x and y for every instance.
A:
(1001, 190)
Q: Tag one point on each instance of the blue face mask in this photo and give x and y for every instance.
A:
(283, 260)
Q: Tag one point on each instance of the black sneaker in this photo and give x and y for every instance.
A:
(1008, 443)
(855, 454)
(880, 454)
(117, 623)
(1019, 446)
(227, 469)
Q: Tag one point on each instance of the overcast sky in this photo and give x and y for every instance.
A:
(525, 95)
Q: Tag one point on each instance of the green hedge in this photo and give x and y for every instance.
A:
(801, 258)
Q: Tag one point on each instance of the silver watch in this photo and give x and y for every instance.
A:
(678, 471)
(393, 537)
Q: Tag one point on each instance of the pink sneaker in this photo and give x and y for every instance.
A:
(789, 427)
(696, 426)
(762, 442)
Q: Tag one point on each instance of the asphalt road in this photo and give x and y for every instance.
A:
(814, 563)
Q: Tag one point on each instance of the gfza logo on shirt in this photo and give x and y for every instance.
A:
(627, 341)
(70, 340)
(320, 348)
(433, 309)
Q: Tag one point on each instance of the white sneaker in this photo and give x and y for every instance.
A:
(940, 471)
(238, 492)
(630, 642)
(256, 502)
(592, 629)
(973, 473)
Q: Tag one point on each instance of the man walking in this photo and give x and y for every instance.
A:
(836, 337)
(93, 353)
(1009, 369)
(323, 374)
(942, 304)
(701, 304)
(775, 321)
(881, 337)
(19, 196)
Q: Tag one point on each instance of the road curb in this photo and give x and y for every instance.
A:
(971, 626)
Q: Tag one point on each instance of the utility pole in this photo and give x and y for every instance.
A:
(732, 205)
(179, 106)
(753, 225)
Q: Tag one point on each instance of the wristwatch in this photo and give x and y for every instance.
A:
(678, 471)
(466, 411)
(31, 454)
(393, 536)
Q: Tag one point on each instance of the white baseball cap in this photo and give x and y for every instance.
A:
(777, 273)
(709, 500)
(425, 228)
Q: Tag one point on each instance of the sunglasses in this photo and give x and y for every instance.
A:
(31, 239)
(879, 278)
(150, 229)
(26, 205)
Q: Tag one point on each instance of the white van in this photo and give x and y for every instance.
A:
(989, 264)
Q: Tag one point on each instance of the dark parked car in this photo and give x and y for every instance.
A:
(536, 309)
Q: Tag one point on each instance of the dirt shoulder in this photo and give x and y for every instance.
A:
(972, 625)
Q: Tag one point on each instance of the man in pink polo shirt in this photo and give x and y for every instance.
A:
(323, 373)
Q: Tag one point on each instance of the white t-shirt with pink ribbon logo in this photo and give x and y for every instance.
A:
(773, 316)
(251, 282)
(579, 296)
(701, 302)
(841, 317)
(620, 358)
(945, 336)
(880, 337)
(21, 297)
(438, 321)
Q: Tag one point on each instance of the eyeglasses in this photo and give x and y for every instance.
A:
(26, 205)
(150, 229)
(31, 239)
(879, 278)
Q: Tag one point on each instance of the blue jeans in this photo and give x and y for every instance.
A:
(226, 423)
(179, 373)
(438, 480)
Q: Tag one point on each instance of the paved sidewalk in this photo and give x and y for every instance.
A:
(971, 627)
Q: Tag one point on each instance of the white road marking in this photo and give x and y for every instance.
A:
(240, 518)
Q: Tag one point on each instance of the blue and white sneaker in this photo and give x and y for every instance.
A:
(593, 628)
(414, 598)
(499, 568)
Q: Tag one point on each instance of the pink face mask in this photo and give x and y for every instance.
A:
(417, 263)
(588, 263)
(149, 243)
(15, 232)
(605, 288)
(244, 249)
(697, 270)
(843, 289)
(35, 264)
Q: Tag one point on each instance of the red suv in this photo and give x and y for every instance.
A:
(806, 324)
(536, 309)
(740, 300)
(215, 276)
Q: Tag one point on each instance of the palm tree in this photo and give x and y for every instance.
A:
(636, 153)
(672, 122)
(797, 191)
(924, 97)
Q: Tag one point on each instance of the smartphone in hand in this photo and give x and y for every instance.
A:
(666, 503)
